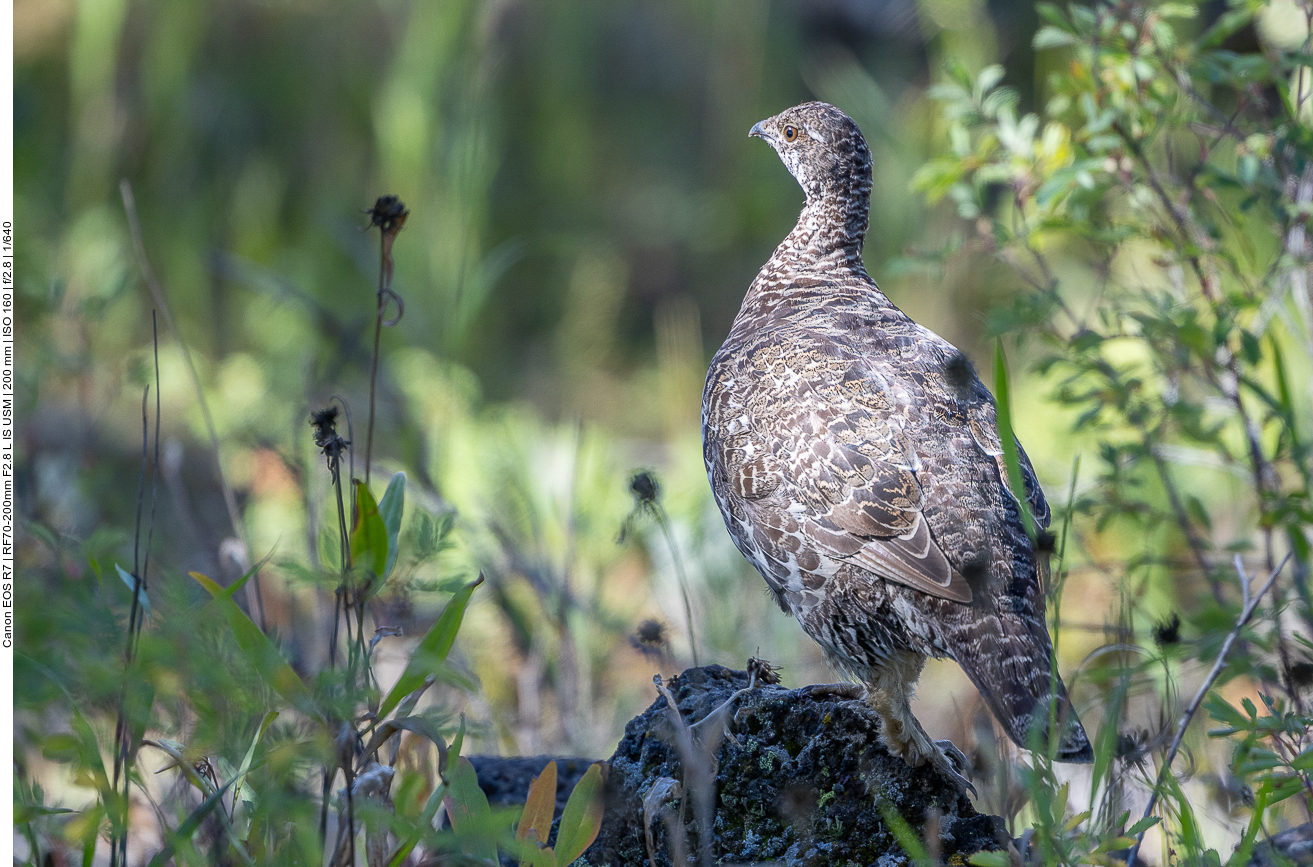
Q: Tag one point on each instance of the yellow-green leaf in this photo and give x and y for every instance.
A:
(581, 819)
(369, 535)
(539, 806)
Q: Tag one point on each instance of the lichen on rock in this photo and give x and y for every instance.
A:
(795, 777)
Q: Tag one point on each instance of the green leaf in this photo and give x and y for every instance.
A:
(390, 508)
(433, 648)
(369, 535)
(582, 817)
(411, 840)
(1051, 37)
(469, 811)
(258, 650)
(131, 581)
(188, 828)
(236, 782)
(1143, 825)
(989, 859)
(1177, 10)
(1010, 455)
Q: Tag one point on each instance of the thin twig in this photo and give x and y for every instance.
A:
(1199, 696)
(162, 302)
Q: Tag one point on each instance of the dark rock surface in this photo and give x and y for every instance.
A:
(505, 780)
(796, 779)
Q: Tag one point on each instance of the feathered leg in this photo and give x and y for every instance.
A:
(890, 691)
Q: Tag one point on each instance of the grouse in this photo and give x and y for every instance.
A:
(855, 457)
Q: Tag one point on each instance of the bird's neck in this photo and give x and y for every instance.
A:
(830, 229)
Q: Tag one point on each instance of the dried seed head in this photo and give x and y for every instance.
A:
(645, 488)
(650, 638)
(332, 445)
(389, 214)
(1167, 631)
(762, 671)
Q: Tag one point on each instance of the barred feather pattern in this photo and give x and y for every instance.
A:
(856, 460)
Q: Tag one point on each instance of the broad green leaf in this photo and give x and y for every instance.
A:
(390, 508)
(1006, 436)
(539, 806)
(468, 808)
(432, 650)
(369, 535)
(259, 651)
(132, 583)
(582, 817)
(989, 859)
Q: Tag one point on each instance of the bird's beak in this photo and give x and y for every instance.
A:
(759, 131)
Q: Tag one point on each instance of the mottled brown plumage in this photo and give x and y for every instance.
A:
(855, 457)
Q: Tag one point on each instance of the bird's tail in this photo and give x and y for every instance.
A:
(1024, 693)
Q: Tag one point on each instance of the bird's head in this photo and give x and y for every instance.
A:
(821, 146)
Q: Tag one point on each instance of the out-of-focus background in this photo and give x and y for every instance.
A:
(586, 211)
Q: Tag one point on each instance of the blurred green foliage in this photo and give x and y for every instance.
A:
(1118, 191)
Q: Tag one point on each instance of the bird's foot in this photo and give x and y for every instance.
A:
(909, 741)
(948, 760)
(840, 691)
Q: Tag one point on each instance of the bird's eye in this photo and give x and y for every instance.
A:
(790, 132)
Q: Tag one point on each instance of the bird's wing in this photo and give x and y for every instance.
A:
(835, 447)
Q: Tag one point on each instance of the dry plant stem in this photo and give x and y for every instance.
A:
(140, 568)
(698, 757)
(162, 302)
(378, 335)
(1250, 607)
(699, 776)
(683, 579)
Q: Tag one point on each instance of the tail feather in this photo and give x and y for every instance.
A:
(1022, 691)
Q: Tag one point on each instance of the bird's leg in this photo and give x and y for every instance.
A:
(890, 693)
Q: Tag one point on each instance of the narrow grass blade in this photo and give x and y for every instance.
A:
(1011, 458)
(250, 755)
(188, 827)
(432, 650)
(407, 845)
